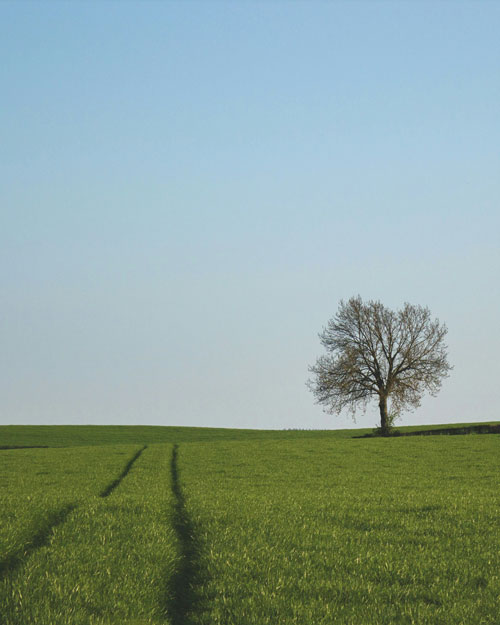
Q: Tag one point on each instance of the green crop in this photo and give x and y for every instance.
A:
(39, 487)
(283, 528)
(76, 435)
(111, 560)
(356, 532)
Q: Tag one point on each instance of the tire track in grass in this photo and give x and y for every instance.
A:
(41, 538)
(11, 562)
(116, 482)
(183, 597)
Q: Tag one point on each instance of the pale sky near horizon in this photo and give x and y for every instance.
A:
(188, 189)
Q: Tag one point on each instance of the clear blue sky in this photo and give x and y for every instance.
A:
(187, 191)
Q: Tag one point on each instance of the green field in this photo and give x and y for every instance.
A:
(155, 525)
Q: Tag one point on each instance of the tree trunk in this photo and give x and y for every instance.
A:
(384, 421)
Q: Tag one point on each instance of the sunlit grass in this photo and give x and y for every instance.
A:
(37, 484)
(311, 530)
(358, 532)
(111, 561)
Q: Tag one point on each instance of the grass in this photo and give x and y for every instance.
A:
(76, 435)
(39, 486)
(248, 528)
(355, 532)
(91, 435)
(110, 561)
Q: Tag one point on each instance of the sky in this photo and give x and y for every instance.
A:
(189, 189)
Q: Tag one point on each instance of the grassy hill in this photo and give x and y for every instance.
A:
(89, 435)
(168, 526)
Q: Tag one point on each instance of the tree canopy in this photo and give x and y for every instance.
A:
(375, 352)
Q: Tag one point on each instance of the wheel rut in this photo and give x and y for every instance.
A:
(116, 482)
(12, 561)
(183, 598)
(46, 526)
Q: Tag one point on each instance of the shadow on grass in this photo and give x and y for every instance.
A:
(455, 431)
(3, 447)
(11, 562)
(182, 598)
(111, 487)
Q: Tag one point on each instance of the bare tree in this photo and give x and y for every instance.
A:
(376, 352)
